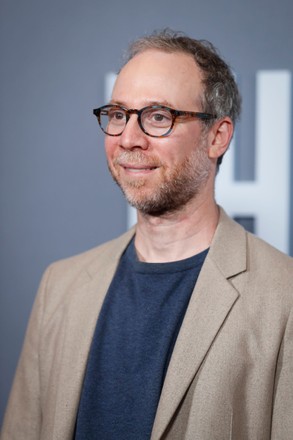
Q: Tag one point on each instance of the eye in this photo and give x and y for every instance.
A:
(159, 117)
(116, 114)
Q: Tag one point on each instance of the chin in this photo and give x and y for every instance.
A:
(157, 204)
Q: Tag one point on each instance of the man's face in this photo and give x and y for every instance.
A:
(159, 175)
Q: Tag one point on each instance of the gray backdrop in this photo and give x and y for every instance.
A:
(56, 196)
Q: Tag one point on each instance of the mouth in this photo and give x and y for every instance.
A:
(138, 169)
(135, 169)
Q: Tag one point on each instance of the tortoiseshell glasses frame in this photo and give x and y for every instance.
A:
(154, 120)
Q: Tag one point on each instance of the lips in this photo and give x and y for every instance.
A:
(135, 162)
(139, 168)
(136, 167)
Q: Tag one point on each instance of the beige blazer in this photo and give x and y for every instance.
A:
(231, 372)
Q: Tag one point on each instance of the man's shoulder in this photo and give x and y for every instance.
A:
(233, 230)
(91, 260)
(236, 249)
(268, 257)
(262, 275)
(267, 252)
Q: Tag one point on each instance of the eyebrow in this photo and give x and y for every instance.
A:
(148, 103)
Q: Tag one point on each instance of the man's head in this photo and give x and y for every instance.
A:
(163, 173)
(221, 96)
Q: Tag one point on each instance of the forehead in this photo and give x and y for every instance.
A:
(156, 76)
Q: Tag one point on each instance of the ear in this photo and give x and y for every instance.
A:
(220, 136)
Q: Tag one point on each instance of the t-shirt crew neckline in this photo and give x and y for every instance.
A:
(169, 267)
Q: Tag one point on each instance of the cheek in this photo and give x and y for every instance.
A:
(180, 148)
(110, 147)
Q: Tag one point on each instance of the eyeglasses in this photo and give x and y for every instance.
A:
(154, 120)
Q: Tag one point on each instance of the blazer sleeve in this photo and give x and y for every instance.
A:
(23, 415)
(282, 418)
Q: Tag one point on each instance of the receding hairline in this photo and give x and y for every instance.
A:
(198, 70)
(164, 51)
(149, 48)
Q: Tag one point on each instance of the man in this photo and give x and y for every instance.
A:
(183, 327)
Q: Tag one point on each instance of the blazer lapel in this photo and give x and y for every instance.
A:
(86, 300)
(211, 302)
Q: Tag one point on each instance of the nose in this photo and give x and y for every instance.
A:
(133, 137)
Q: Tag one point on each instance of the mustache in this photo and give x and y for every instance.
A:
(136, 158)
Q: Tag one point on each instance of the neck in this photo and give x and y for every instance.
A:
(179, 235)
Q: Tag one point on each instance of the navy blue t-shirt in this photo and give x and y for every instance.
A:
(132, 345)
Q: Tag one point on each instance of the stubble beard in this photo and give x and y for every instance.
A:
(179, 186)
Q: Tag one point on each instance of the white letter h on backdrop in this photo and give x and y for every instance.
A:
(267, 199)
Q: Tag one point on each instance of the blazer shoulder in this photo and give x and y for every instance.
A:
(269, 276)
(81, 267)
(270, 257)
(231, 239)
(252, 264)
